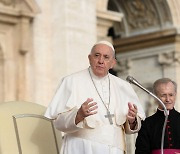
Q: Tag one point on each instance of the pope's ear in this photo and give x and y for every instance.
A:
(89, 56)
(113, 63)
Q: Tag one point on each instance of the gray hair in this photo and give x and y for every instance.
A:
(163, 81)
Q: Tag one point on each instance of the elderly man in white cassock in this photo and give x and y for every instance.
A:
(94, 108)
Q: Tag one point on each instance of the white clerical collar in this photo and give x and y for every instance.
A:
(164, 111)
(96, 77)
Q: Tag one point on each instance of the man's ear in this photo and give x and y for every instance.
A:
(89, 57)
(113, 63)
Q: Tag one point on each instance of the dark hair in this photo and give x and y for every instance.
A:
(163, 81)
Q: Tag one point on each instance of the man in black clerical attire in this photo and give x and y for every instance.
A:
(149, 137)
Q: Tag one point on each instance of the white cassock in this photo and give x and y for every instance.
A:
(94, 135)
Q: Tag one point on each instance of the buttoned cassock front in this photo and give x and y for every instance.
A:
(149, 137)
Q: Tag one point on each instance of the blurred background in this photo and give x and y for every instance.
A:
(42, 41)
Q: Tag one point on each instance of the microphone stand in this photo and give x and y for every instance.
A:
(132, 80)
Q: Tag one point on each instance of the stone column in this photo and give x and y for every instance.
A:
(15, 23)
(2, 75)
(64, 34)
(105, 19)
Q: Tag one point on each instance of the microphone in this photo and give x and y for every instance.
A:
(130, 79)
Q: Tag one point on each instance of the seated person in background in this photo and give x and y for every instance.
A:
(95, 108)
(149, 137)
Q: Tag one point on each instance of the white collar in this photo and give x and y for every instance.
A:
(96, 77)
(164, 111)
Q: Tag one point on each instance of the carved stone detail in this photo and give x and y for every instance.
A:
(141, 16)
(145, 15)
(123, 66)
(27, 9)
(169, 58)
(15, 28)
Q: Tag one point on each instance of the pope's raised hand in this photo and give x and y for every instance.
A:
(87, 108)
(132, 113)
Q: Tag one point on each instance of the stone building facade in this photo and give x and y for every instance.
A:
(43, 40)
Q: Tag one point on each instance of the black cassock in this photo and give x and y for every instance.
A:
(149, 136)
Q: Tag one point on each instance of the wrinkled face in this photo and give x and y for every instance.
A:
(101, 59)
(166, 92)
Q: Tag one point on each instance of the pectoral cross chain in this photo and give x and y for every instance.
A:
(109, 116)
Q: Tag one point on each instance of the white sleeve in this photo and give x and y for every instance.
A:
(65, 122)
(137, 127)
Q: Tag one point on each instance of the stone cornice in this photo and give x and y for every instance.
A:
(109, 15)
(146, 40)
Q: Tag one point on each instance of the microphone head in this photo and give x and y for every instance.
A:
(130, 79)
